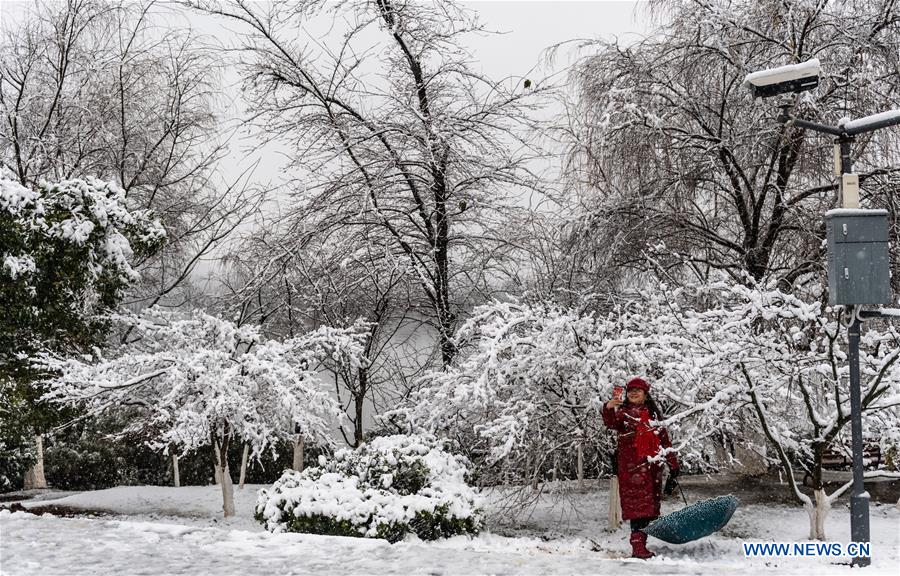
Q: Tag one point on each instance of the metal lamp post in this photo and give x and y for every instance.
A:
(867, 289)
(858, 264)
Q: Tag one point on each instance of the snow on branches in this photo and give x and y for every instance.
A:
(724, 360)
(200, 378)
(66, 255)
(534, 378)
(527, 383)
(88, 215)
(67, 251)
(720, 179)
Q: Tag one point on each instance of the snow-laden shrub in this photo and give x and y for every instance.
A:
(15, 459)
(386, 488)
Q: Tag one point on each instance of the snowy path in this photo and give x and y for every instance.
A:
(149, 541)
(50, 545)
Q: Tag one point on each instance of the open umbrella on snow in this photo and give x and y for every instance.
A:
(695, 521)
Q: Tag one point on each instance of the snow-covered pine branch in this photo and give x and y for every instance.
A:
(90, 216)
(67, 253)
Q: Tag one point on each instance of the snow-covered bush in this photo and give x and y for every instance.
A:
(386, 488)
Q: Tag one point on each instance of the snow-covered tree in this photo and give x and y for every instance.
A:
(403, 142)
(799, 391)
(532, 380)
(724, 360)
(66, 254)
(669, 146)
(787, 356)
(122, 91)
(525, 390)
(289, 283)
(203, 381)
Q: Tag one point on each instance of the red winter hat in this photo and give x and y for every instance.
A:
(639, 383)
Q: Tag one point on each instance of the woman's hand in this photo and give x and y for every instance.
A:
(671, 482)
(613, 404)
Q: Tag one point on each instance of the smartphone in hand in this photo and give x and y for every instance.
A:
(619, 393)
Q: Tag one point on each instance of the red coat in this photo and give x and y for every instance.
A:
(640, 482)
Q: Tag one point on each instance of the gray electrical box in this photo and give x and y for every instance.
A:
(859, 269)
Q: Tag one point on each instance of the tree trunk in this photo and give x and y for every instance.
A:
(227, 492)
(34, 477)
(217, 465)
(244, 466)
(175, 475)
(817, 513)
(615, 504)
(224, 474)
(359, 400)
(581, 466)
(298, 454)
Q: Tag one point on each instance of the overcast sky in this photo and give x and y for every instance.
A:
(525, 29)
(530, 27)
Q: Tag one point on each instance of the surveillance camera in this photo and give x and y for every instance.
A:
(784, 79)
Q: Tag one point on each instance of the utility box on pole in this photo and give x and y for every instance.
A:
(859, 269)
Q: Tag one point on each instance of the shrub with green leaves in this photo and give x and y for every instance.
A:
(16, 450)
(386, 488)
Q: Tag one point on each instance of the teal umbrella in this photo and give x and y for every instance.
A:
(695, 521)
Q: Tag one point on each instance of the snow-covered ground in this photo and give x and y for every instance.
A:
(160, 530)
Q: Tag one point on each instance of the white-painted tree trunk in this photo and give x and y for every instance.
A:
(817, 513)
(175, 475)
(244, 466)
(217, 466)
(298, 454)
(227, 491)
(615, 504)
(223, 474)
(34, 477)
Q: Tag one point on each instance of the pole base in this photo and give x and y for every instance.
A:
(861, 561)
(859, 524)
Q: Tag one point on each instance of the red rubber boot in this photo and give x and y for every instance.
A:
(639, 545)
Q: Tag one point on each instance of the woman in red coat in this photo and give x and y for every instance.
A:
(640, 480)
